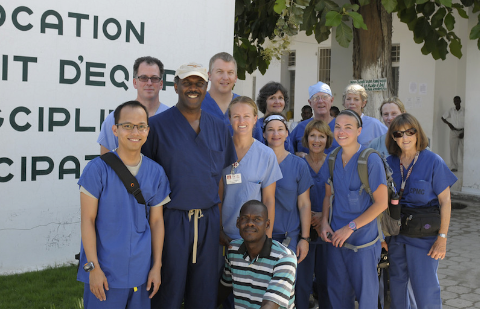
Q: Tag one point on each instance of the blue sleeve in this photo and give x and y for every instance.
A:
(305, 180)
(376, 172)
(273, 172)
(257, 130)
(442, 176)
(375, 144)
(294, 138)
(106, 138)
(91, 178)
(163, 188)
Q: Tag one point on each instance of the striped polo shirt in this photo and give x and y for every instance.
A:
(270, 276)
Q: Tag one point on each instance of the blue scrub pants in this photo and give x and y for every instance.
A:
(118, 298)
(196, 284)
(353, 275)
(316, 261)
(410, 262)
(293, 240)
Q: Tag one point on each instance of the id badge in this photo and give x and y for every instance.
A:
(233, 178)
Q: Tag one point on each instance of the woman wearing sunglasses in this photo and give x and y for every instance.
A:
(424, 181)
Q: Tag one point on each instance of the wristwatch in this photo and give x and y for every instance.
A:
(352, 225)
(308, 239)
(443, 235)
(88, 267)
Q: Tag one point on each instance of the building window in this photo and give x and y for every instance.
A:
(395, 67)
(291, 91)
(291, 58)
(324, 60)
(395, 53)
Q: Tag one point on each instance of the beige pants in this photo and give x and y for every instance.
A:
(456, 146)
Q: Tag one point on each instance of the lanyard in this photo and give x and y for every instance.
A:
(234, 166)
(402, 187)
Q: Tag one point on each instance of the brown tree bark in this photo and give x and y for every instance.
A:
(372, 52)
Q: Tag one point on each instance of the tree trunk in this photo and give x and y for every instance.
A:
(372, 52)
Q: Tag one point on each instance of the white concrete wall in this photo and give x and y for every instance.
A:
(471, 174)
(39, 218)
(439, 80)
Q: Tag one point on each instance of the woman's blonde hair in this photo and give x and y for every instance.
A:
(394, 100)
(355, 89)
(243, 99)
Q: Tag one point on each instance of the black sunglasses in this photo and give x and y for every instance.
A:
(409, 132)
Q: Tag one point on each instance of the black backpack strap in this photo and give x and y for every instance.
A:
(129, 181)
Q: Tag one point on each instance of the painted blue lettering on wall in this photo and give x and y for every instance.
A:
(41, 166)
(94, 73)
(56, 117)
(51, 19)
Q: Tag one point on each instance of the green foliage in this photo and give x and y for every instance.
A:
(50, 288)
(275, 21)
(389, 5)
(344, 35)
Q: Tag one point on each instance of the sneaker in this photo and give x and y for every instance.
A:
(454, 170)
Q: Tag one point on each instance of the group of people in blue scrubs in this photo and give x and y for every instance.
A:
(213, 168)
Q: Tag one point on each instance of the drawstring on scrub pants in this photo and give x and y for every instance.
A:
(198, 214)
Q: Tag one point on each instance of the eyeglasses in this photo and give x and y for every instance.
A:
(129, 126)
(409, 132)
(322, 97)
(145, 78)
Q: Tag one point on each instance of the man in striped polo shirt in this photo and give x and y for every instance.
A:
(261, 271)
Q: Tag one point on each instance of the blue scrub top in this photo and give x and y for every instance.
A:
(259, 169)
(372, 128)
(210, 106)
(379, 145)
(107, 139)
(296, 180)
(297, 135)
(258, 135)
(430, 176)
(193, 162)
(317, 191)
(123, 233)
(348, 202)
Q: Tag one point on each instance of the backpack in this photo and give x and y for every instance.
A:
(385, 222)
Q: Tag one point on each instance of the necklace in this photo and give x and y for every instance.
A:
(359, 146)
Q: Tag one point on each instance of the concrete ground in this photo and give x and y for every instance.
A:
(459, 272)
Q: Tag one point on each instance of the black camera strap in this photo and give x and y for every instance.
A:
(129, 181)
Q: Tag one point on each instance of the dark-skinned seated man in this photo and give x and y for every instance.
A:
(261, 271)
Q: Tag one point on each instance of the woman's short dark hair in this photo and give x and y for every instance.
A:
(321, 127)
(270, 89)
(351, 113)
(405, 121)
